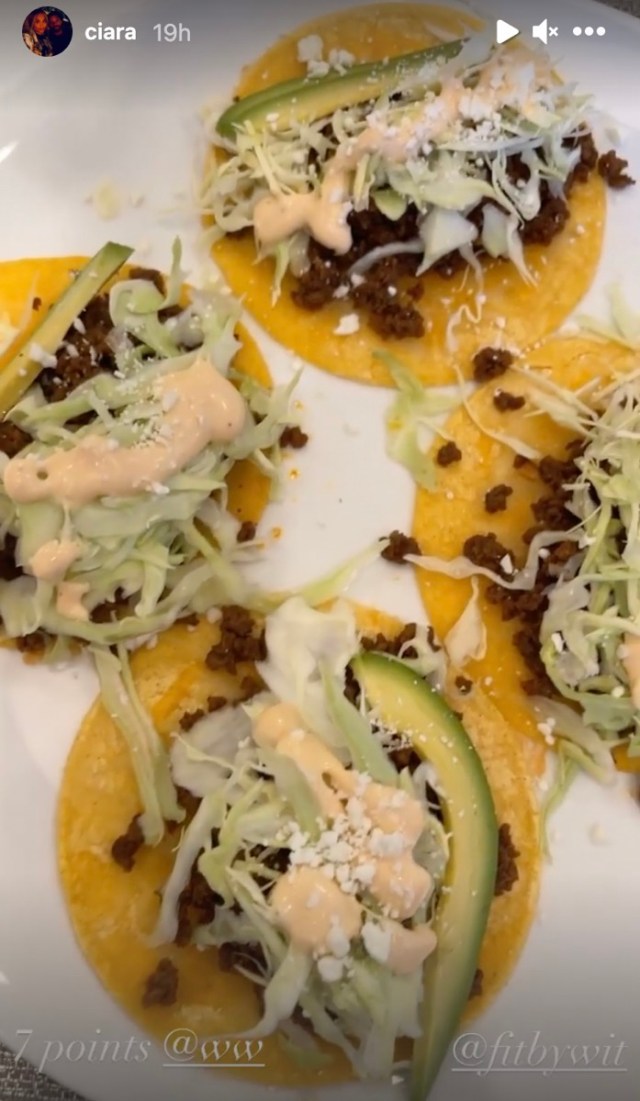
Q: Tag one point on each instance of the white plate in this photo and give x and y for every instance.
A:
(129, 113)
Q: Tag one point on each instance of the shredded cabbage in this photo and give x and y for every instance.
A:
(148, 757)
(467, 639)
(415, 412)
(142, 561)
(258, 808)
(450, 166)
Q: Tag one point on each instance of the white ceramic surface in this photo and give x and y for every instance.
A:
(129, 113)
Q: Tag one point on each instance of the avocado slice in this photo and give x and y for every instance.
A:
(307, 99)
(406, 703)
(22, 371)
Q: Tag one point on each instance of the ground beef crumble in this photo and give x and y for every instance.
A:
(490, 363)
(190, 718)
(197, 905)
(528, 607)
(294, 437)
(464, 685)
(240, 640)
(495, 500)
(486, 550)
(247, 531)
(400, 545)
(507, 871)
(449, 453)
(12, 439)
(151, 275)
(90, 352)
(126, 847)
(9, 568)
(34, 643)
(506, 402)
(612, 169)
(388, 291)
(384, 645)
(111, 610)
(161, 988)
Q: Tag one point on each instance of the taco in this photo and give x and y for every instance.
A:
(388, 177)
(529, 538)
(300, 746)
(118, 517)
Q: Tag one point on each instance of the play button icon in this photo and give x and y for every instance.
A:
(505, 31)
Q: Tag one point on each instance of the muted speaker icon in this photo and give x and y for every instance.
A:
(540, 31)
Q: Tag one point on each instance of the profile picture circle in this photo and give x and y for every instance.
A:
(47, 31)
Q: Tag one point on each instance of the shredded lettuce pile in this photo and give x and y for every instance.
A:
(256, 801)
(590, 632)
(171, 551)
(446, 173)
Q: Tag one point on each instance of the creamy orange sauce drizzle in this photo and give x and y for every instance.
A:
(199, 406)
(69, 600)
(509, 77)
(52, 560)
(311, 907)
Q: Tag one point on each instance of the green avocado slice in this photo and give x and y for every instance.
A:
(406, 703)
(307, 99)
(21, 371)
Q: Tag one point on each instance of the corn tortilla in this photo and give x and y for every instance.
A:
(515, 314)
(113, 912)
(454, 511)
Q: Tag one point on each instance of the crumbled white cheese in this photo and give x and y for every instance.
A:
(341, 291)
(617, 692)
(318, 68)
(347, 325)
(558, 642)
(377, 941)
(340, 60)
(310, 48)
(506, 564)
(337, 941)
(330, 969)
(39, 355)
(79, 325)
(356, 279)
(386, 844)
(546, 729)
